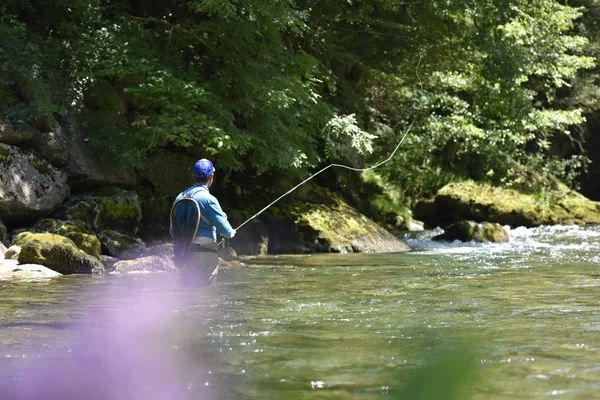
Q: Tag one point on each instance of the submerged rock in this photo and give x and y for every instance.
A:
(29, 186)
(56, 252)
(471, 231)
(481, 202)
(11, 269)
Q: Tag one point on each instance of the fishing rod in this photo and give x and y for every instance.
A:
(341, 165)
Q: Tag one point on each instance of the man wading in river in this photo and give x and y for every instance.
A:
(196, 218)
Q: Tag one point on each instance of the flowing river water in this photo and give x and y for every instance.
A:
(519, 320)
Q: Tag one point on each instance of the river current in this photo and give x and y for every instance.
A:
(518, 320)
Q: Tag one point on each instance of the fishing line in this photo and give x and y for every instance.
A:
(341, 165)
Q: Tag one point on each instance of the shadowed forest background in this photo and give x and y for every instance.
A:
(504, 92)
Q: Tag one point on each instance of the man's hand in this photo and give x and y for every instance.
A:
(233, 234)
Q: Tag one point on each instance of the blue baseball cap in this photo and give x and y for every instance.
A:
(203, 169)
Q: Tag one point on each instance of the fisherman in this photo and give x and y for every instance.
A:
(195, 228)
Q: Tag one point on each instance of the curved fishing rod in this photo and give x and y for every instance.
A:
(341, 165)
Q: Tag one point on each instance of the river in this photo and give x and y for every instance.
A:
(518, 320)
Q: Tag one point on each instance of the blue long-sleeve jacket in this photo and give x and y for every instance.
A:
(211, 211)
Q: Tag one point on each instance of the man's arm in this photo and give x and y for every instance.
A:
(219, 219)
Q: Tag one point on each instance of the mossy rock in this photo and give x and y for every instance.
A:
(77, 231)
(337, 227)
(105, 209)
(471, 231)
(120, 245)
(481, 202)
(55, 252)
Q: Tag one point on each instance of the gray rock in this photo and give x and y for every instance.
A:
(11, 269)
(29, 186)
(51, 145)
(14, 134)
(120, 245)
(3, 230)
(154, 259)
(84, 171)
(12, 253)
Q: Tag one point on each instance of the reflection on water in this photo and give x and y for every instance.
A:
(512, 320)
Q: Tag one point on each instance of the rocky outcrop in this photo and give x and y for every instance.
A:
(11, 269)
(340, 228)
(29, 186)
(3, 230)
(479, 202)
(51, 145)
(85, 171)
(56, 252)
(471, 231)
(14, 133)
(104, 209)
(169, 173)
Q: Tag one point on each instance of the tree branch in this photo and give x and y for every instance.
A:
(172, 26)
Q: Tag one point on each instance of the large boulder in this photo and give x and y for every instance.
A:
(169, 173)
(55, 252)
(340, 228)
(86, 171)
(83, 238)
(120, 245)
(104, 209)
(481, 202)
(11, 269)
(51, 145)
(471, 231)
(29, 186)
(14, 134)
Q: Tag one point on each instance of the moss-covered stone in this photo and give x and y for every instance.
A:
(105, 209)
(55, 252)
(41, 166)
(471, 231)
(482, 202)
(80, 234)
(4, 153)
(340, 228)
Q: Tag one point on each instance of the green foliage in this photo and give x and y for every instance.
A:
(281, 86)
